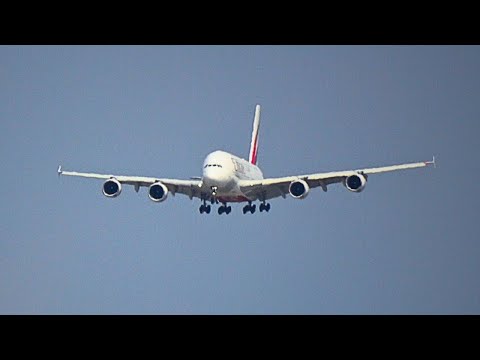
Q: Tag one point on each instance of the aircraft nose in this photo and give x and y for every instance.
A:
(214, 176)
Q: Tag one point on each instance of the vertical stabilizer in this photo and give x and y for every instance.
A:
(252, 157)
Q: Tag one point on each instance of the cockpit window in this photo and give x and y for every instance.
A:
(217, 165)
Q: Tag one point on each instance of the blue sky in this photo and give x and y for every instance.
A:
(408, 244)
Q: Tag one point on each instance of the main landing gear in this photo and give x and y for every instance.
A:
(263, 207)
(224, 209)
(204, 208)
(249, 207)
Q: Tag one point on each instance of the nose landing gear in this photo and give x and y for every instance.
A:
(214, 190)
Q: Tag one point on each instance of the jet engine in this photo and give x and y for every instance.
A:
(355, 183)
(299, 189)
(112, 188)
(157, 192)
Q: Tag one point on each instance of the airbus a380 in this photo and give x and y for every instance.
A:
(227, 178)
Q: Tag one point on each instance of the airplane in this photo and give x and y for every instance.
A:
(227, 178)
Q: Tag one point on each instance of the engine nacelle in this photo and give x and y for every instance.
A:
(157, 192)
(355, 183)
(299, 189)
(112, 188)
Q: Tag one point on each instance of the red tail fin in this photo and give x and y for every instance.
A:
(252, 157)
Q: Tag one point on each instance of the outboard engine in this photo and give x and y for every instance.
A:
(112, 188)
(157, 192)
(299, 189)
(355, 183)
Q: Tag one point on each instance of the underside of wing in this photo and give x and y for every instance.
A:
(298, 186)
(266, 189)
(112, 185)
(190, 188)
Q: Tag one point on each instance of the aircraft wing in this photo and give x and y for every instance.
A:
(191, 188)
(270, 188)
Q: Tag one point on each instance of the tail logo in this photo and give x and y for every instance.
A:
(252, 158)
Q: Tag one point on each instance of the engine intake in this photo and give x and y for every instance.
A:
(112, 188)
(355, 183)
(299, 189)
(157, 192)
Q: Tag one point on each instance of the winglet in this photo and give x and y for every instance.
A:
(431, 162)
(59, 171)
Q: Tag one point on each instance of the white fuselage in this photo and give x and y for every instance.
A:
(222, 171)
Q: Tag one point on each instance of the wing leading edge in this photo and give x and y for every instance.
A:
(270, 188)
(190, 188)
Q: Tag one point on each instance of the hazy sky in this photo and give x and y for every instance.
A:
(408, 244)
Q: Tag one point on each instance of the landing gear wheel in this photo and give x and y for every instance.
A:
(264, 207)
(224, 209)
(204, 209)
(250, 208)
